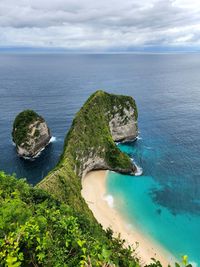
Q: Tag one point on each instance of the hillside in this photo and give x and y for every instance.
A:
(90, 144)
(37, 230)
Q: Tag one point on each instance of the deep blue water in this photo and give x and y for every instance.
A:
(165, 200)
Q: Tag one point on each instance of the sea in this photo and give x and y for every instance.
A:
(163, 200)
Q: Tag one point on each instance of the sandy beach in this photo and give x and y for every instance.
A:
(94, 192)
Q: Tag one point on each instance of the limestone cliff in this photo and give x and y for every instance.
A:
(30, 133)
(90, 143)
(123, 127)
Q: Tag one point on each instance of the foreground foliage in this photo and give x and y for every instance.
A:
(37, 230)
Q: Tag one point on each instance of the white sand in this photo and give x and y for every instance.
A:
(94, 193)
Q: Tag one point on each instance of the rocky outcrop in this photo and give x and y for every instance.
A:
(90, 144)
(106, 118)
(123, 127)
(30, 134)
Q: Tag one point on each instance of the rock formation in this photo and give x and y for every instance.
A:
(123, 127)
(90, 142)
(30, 134)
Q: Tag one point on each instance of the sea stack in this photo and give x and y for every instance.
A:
(30, 134)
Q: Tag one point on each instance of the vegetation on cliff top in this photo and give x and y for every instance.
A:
(90, 132)
(21, 125)
(89, 136)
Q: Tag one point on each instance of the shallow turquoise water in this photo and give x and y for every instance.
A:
(134, 197)
(166, 199)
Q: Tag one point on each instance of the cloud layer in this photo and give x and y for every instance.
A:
(99, 25)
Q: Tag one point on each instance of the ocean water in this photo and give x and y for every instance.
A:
(165, 200)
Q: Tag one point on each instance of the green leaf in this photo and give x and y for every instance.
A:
(185, 260)
(106, 253)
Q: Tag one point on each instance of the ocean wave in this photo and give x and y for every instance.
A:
(36, 156)
(129, 226)
(27, 158)
(53, 139)
(128, 141)
(148, 147)
(139, 170)
(110, 200)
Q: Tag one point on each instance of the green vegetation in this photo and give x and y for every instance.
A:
(37, 230)
(37, 133)
(89, 137)
(21, 124)
(54, 227)
(90, 132)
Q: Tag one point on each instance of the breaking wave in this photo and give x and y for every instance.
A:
(53, 139)
(110, 200)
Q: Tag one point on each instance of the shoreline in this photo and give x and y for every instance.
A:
(100, 203)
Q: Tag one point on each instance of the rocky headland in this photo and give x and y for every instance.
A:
(30, 134)
(90, 144)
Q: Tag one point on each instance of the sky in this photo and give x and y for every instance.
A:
(100, 25)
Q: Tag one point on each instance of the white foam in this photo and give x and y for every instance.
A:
(110, 200)
(38, 154)
(53, 139)
(27, 158)
(129, 226)
(139, 138)
(148, 147)
(139, 170)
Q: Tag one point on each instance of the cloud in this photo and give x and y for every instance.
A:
(99, 25)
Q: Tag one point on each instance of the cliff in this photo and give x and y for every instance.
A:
(30, 133)
(90, 144)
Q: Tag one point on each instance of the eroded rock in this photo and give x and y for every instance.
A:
(30, 134)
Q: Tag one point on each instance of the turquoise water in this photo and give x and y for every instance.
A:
(165, 201)
(134, 197)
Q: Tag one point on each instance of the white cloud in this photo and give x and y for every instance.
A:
(100, 25)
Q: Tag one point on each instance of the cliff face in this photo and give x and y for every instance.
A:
(30, 133)
(123, 127)
(103, 119)
(90, 145)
